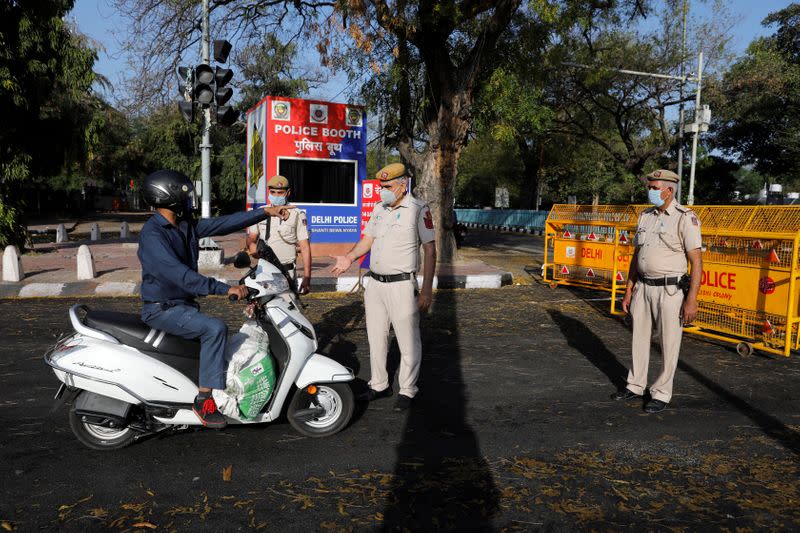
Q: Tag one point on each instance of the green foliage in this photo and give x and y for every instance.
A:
(749, 181)
(587, 171)
(758, 102)
(716, 180)
(11, 231)
(45, 80)
(487, 163)
(509, 109)
(267, 69)
(165, 140)
(229, 176)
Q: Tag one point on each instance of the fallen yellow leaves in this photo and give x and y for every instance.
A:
(227, 472)
(147, 525)
(65, 510)
(243, 503)
(135, 507)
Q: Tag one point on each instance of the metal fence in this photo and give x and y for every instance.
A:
(510, 219)
(749, 293)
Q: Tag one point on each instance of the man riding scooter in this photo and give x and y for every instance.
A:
(168, 252)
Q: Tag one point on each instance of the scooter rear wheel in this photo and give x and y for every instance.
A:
(98, 437)
(335, 398)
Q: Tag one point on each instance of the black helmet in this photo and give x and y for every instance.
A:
(170, 189)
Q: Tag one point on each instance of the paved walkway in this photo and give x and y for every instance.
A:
(51, 269)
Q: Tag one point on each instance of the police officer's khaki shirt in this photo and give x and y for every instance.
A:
(663, 238)
(285, 234)
(398, 234)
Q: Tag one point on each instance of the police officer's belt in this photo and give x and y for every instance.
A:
(389, 278)
(660, 282)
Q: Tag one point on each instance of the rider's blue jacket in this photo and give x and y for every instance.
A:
(169, 255)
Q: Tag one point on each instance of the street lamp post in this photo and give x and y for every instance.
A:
(696, 126)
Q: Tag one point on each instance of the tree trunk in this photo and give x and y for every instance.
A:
(435, 171)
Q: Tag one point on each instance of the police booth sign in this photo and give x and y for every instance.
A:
(321, 148)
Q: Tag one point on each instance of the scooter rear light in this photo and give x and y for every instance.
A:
(311, 389)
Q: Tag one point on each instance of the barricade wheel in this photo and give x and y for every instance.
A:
(553, 284)
(745, 349)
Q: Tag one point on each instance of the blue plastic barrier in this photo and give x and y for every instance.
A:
(512, 219)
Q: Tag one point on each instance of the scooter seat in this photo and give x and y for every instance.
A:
(129, 329)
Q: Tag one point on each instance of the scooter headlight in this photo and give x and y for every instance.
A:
(274, 284)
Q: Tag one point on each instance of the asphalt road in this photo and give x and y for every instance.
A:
(521, 254)
(513, 430)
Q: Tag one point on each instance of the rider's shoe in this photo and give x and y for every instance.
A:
(206, 410)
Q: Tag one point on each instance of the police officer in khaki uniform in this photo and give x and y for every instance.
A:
(667, 239)
(393, 235)
(285, 236)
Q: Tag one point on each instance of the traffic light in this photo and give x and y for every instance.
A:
(222, 94)
(204, 86)
(225, 115)
(187, 106)
(221, 50)
(188, 110)
(204, 83)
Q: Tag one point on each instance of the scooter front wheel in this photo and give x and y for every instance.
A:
(98, 437)
(326, 416)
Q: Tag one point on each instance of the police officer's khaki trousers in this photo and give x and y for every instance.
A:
(658, 307)
(393, 304)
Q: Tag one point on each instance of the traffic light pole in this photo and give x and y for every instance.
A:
(205, 146)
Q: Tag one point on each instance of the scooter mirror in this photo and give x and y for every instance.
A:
(241, 260)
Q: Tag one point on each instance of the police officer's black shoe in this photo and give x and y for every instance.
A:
(403, 402)
(655, 406)
(372, 395)
(626, 395)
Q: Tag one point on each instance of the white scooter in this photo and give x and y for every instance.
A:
(126, 380)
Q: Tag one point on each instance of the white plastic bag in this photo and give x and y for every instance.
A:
(244, 349)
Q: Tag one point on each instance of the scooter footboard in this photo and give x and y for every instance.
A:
(322, 369)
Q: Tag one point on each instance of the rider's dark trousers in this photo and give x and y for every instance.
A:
(185, 320)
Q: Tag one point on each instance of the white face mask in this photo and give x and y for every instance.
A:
(655, 197)
(277, 201)
(388, 197)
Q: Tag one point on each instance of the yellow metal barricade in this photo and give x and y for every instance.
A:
(589, 245)
(749, 291)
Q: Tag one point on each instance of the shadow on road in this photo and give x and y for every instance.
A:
(582, 338)
(441, 481)
(771, 426)
(332, 333)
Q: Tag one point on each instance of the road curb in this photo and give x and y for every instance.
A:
(318, 285)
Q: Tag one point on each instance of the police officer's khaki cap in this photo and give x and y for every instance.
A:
(278, 182)
(390, 172)
(663, 175)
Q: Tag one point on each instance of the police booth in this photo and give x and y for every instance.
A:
(321, 148)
